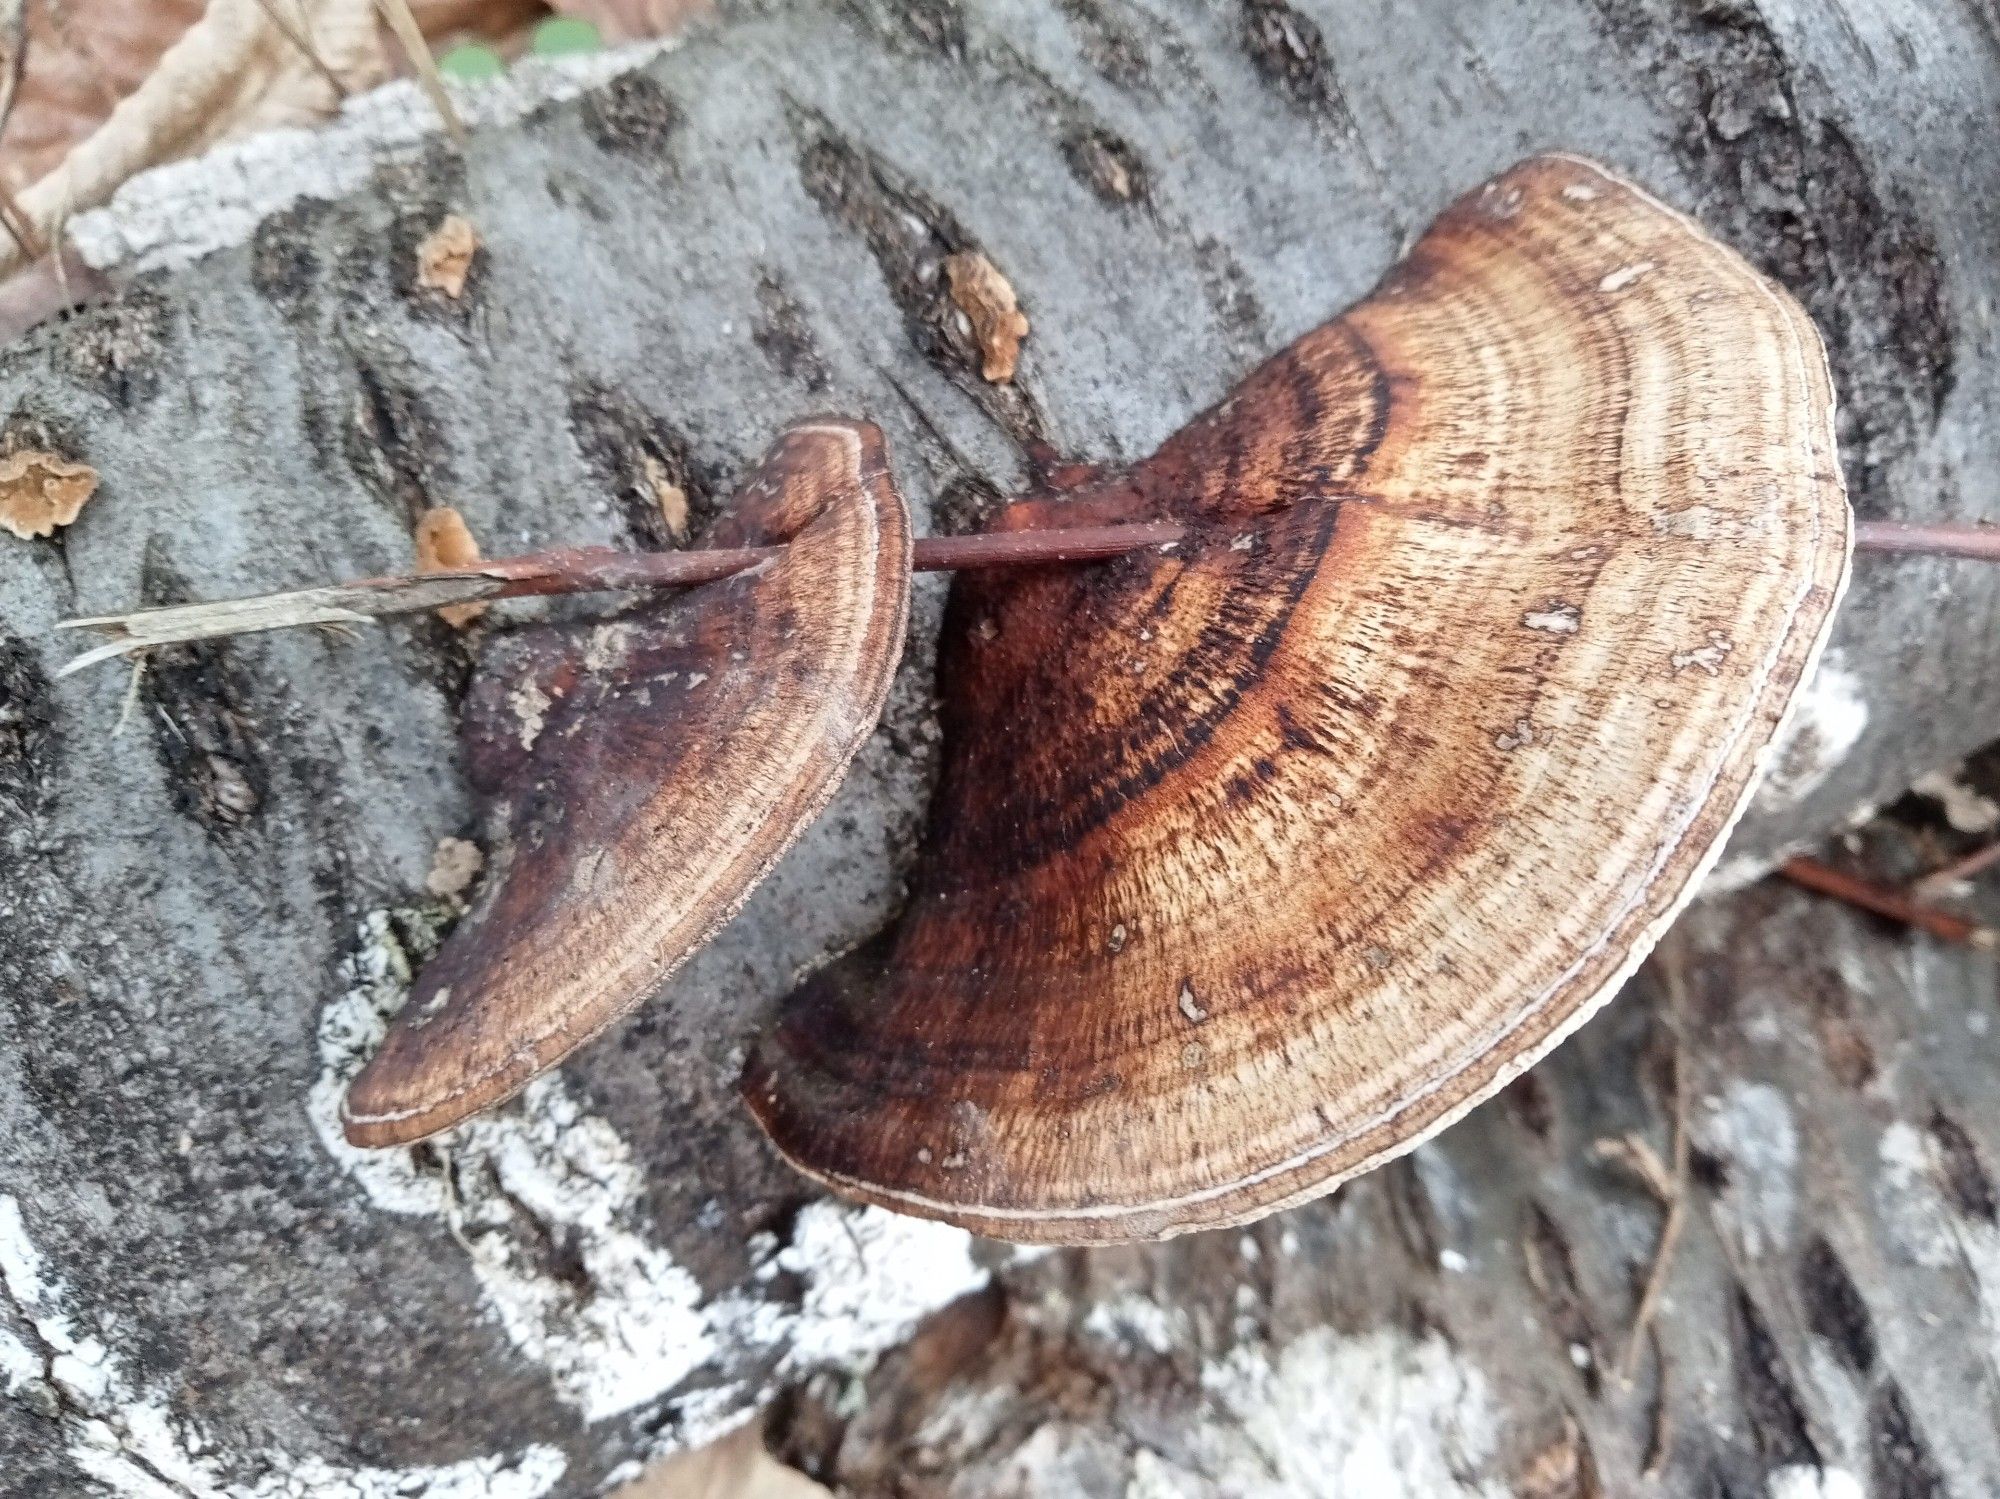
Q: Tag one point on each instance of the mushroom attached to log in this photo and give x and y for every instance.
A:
(1255, 863)
(645, 774)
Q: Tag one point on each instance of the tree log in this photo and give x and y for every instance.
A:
(213, 875)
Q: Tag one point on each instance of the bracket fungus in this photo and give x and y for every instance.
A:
(646, 773)
(1256, 861)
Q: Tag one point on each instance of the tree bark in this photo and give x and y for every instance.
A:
(212, 881)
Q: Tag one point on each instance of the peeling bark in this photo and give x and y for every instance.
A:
(201, 913)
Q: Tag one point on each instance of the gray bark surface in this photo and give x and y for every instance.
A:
(210, 882)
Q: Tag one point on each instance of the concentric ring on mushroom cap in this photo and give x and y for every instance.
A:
(649, 772)
(1256, 861)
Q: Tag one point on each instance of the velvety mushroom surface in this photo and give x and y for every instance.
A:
(646, 773)
(1257, 859)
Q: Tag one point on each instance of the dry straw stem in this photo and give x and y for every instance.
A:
(396, 13)
(1669, 1186)
(298, 32)
(582, 570)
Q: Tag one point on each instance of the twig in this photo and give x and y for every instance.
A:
(579, 570)
(1668, 959)
(401, 21)
(1940, 881)
(1933, 538)
(592, 569)
(20, 225)
(1663, 1416)
(1883, 901)
(13, 37)
(131, 696)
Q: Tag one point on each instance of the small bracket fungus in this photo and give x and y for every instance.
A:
(1380, 807)
(646, 773)
(40, 492)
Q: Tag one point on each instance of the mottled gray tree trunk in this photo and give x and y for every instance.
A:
(212, 883)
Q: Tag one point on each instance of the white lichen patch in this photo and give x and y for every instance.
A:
(868, 1278)
(1624, 276)
(1556, 617)
(1925, 1227)
(1750, 1125)
(1967, 810)
(849, 1284)
(1518, 737)
(126, 1437)
(18, 1363)
(516, 1179)
(1136, 1322)
(1380, 1414)
(1827, 719)
(1803, 1481)
(531, 711)
(1708, 657)
(608, 643)
(1911, 1209)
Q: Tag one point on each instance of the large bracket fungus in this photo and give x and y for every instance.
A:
(1257, 861)
(647, 773)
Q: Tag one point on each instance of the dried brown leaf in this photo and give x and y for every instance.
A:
(113, 89)
(444, 541)
(987, 300)
(1633, 1154)
(41, 491)
(733, 1467)
(81, 59)
(635, 20)
(444, 260)
(409, 33)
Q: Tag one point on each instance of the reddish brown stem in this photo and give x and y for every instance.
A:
(1882, 901)
(1934, 539)
(590, 569)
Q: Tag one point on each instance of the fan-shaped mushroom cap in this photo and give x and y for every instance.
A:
(1257, 861)
(649, 772)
